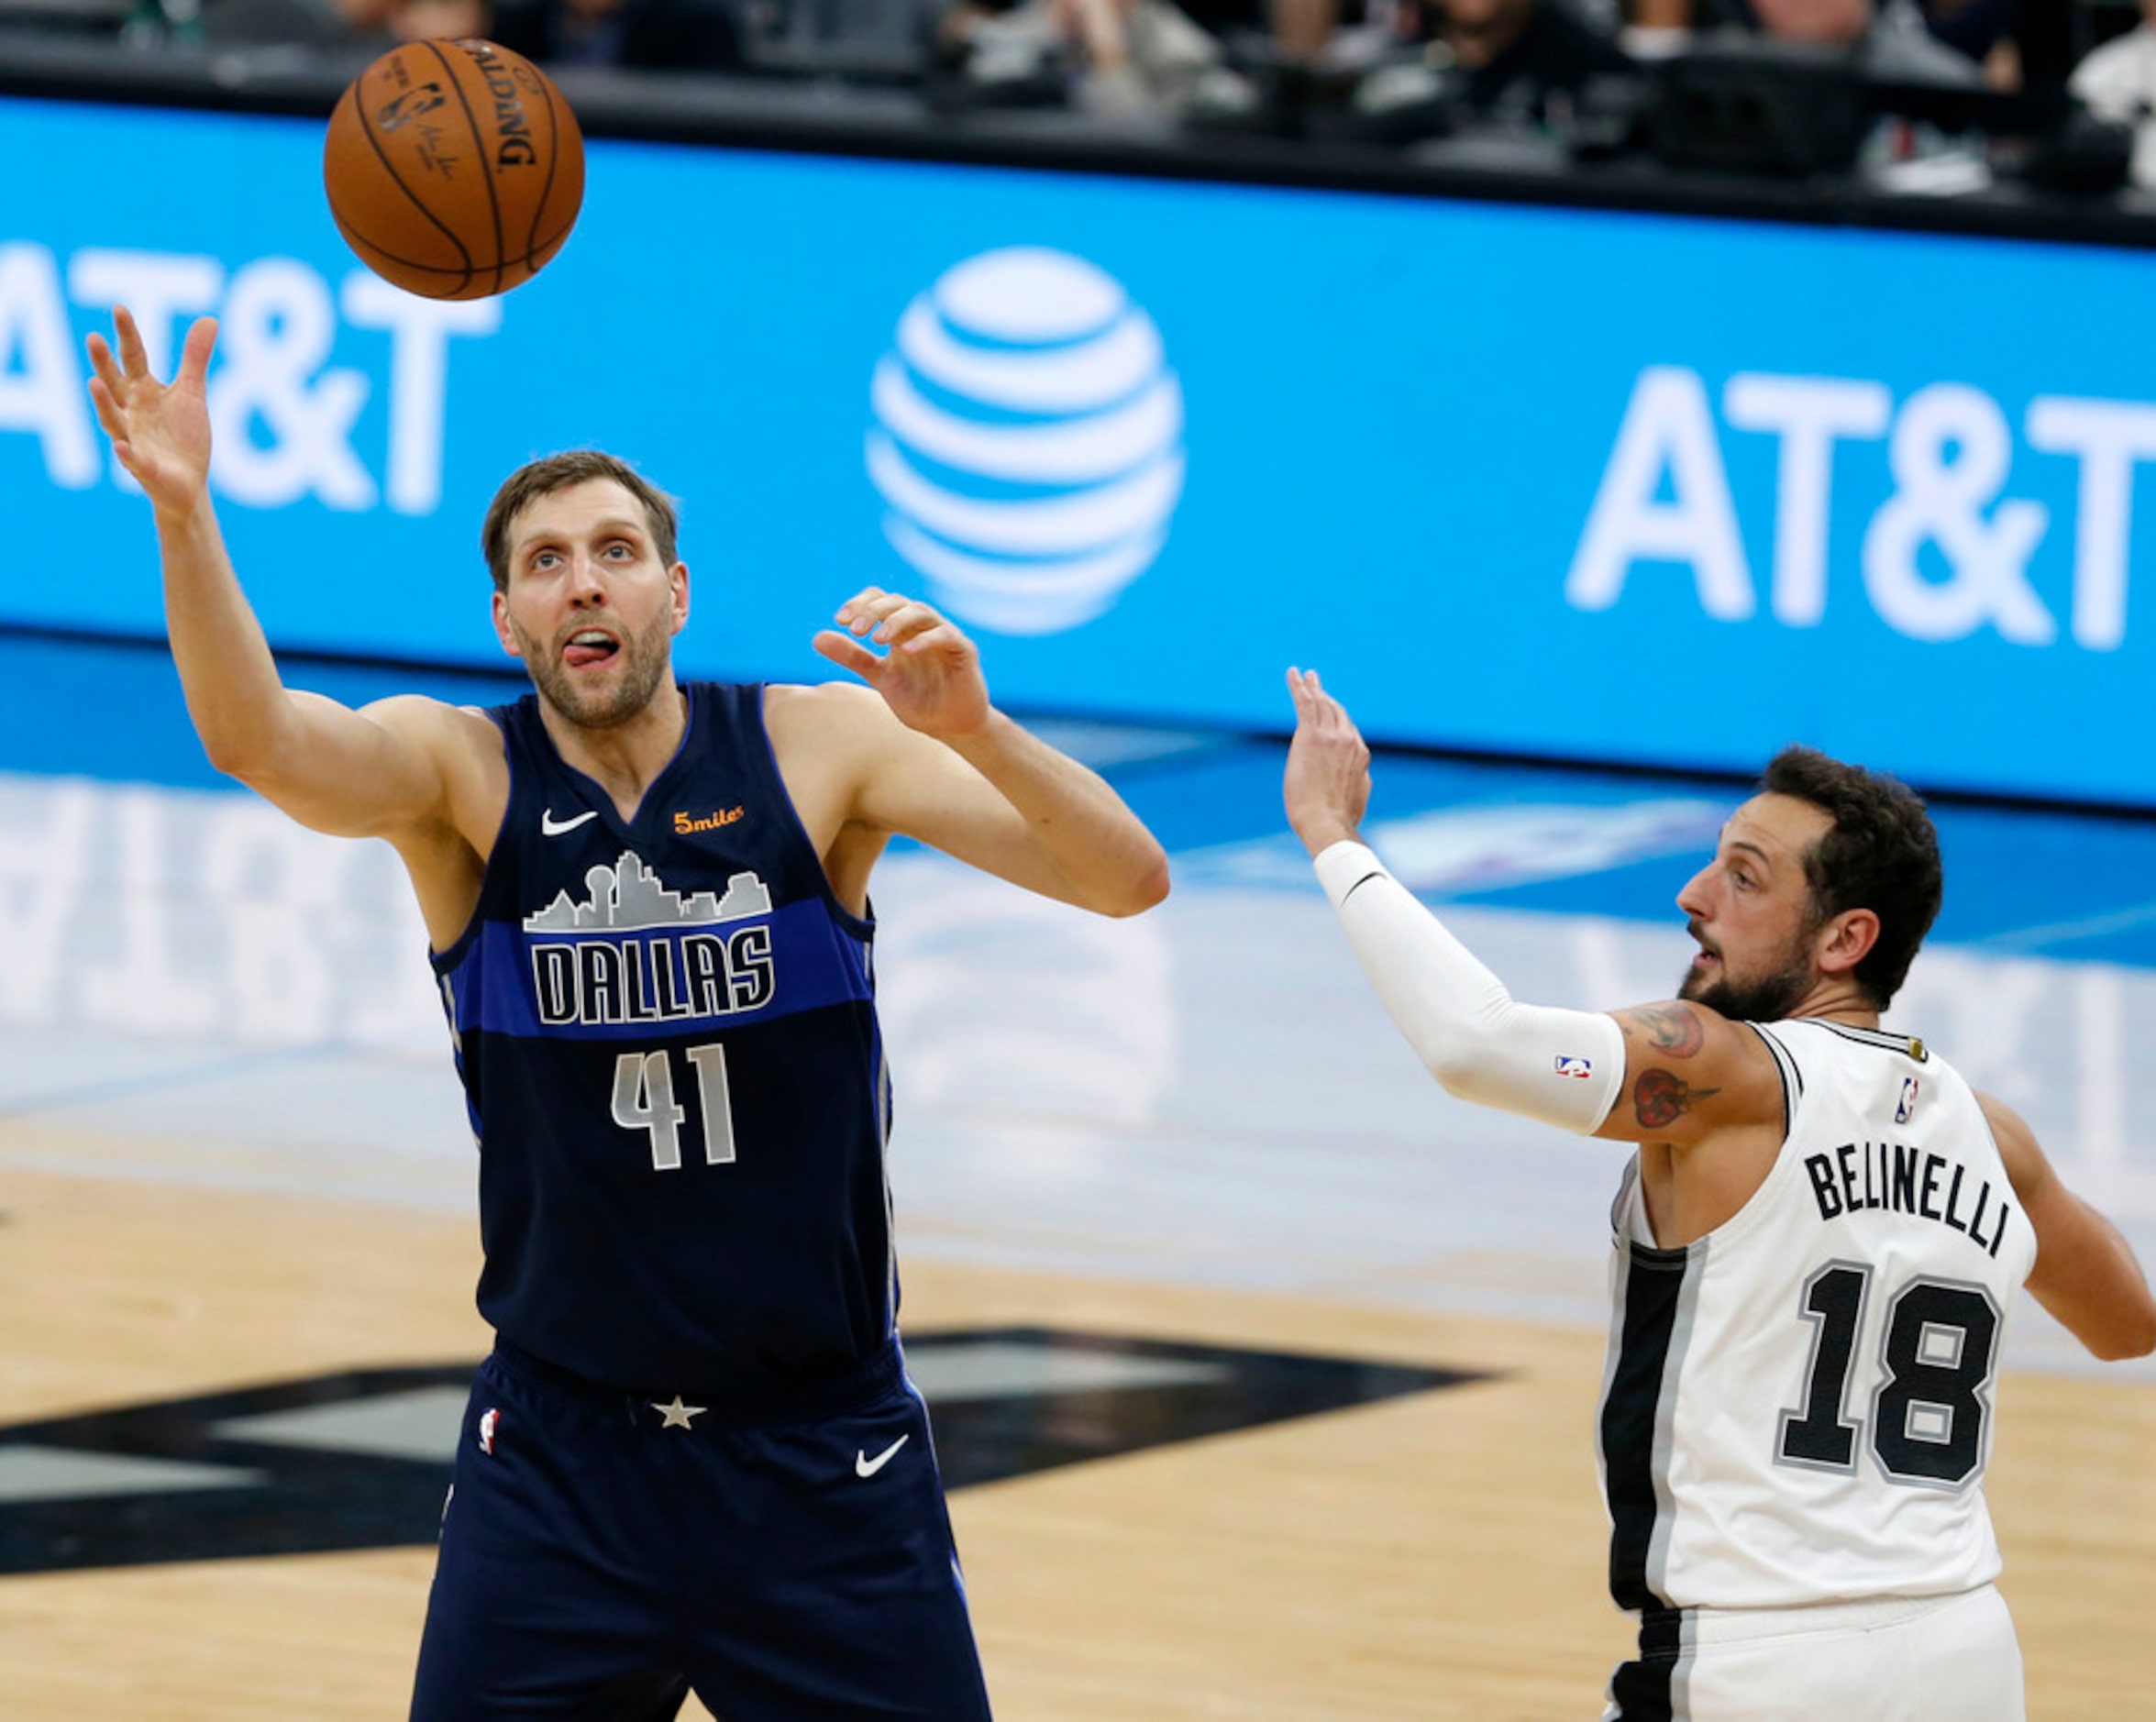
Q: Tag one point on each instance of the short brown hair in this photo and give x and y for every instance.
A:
(536, 479)
(1881, 854)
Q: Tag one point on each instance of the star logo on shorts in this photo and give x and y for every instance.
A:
(676, 1415)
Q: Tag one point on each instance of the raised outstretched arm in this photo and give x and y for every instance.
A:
(352, 773)
(1671, 1072)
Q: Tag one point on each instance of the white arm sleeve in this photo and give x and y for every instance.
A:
(1561, 1067)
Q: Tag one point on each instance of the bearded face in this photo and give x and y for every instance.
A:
(626, 686)
(1766, 996)
(588, 604)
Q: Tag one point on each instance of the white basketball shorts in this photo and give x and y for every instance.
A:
(1921, 1659)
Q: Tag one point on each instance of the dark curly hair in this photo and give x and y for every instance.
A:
(1881, 854)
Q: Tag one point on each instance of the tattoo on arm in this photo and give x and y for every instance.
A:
(1674, 1029)
(1660, 1098)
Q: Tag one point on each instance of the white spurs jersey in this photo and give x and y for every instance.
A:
(1798, 1406)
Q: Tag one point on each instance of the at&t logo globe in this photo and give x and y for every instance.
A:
(1028, 440)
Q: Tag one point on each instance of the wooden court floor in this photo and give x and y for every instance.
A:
(1437, 1556)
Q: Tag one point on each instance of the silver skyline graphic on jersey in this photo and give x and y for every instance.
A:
(628, 897)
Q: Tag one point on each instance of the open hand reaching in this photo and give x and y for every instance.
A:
(159, 431)
(931, 675)
(1327, 784)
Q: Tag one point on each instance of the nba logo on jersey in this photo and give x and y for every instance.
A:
(1571, 1066)
(1908, 1100)
(486, 1430)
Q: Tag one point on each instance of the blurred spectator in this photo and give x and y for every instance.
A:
(1513, 64)
(1518, 53)
(1971, 30)
(440, 20)
(388, 22)
(1891, 41)
(375, 26)
(1978, 29)
(1328, 35)
(1123, 58)
(646, 35)
(2117, 82)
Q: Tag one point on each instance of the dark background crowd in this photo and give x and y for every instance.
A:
(1938, 96)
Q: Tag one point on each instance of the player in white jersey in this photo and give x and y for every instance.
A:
(1817, 1241)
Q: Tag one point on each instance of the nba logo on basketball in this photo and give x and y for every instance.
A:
(420, 99)
(1908, 1100)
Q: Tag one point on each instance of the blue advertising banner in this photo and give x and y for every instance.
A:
(1587, 484)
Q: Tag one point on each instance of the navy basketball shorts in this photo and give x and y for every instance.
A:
(602, 1556)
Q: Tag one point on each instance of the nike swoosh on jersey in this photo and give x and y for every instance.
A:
(551, 827)
(865, 1466)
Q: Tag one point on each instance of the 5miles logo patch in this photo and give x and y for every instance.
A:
(687, 824)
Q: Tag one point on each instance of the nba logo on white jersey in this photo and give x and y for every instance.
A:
(1570, 1065)
(1908, 1100)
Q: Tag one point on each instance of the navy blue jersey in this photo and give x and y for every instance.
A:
(666, 1033)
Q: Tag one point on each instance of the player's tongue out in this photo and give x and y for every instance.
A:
(589, 646)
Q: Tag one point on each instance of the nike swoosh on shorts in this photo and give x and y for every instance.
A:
(865, 1466)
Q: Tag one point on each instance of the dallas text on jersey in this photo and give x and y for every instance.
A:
(666, 978)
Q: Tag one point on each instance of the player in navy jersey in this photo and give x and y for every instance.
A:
(694, 1460)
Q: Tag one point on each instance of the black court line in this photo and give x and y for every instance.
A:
(267, 1495)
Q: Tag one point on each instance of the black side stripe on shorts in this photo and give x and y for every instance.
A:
(1645, 1690)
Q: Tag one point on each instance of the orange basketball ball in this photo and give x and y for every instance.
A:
(455, 169)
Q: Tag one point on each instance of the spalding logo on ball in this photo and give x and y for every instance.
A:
(455, 169)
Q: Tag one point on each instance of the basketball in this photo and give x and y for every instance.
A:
(454, 169)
